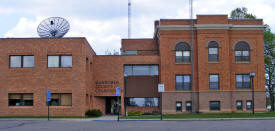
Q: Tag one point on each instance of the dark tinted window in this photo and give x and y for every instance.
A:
(20, 99)
(141, 70)
(178, 106)
(142, 102)
(239, 105)
(188, 106)
(249, 105)
(214, 105)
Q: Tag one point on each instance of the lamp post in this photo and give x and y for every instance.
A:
(252, 74)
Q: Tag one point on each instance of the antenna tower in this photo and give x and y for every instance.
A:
(129, 18)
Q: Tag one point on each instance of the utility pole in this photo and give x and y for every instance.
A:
(194, 96)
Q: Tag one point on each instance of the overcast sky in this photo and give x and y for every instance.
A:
(104, 22)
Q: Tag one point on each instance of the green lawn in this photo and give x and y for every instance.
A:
(42, 117)
(190, 116)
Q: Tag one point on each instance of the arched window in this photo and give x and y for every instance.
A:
(182, 52)
(213, 51)
(242, 51)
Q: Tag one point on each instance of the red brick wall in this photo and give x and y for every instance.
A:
(40, 78)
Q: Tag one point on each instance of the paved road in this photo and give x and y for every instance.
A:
(78, 125)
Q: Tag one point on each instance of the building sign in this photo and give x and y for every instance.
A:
(105, 86)
(160, 87)
(118, 91)
(48, 96)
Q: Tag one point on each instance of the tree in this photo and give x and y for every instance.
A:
(108, 52)
(241, 13)
(269, 52)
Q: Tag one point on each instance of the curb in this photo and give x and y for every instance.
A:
(99, 120)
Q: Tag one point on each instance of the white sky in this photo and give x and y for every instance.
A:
(104, 22)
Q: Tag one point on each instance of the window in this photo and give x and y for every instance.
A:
(243, 81)
(213, 51)
(20, 99)
(242, 51)
(60, 61)
(178, 106)
(183, 82)
(141, 70)
(214, 81)
(249, 105)
(142, 102)
(239, 105)
(188, 106)
(64, 99)
(214, 105)
(21, 61)
(182, 52)
(129, 52)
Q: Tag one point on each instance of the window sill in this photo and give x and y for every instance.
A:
(184, 63)
(214, 110)
(59, 67)
(61, 106)
(20, 106)
(244, 89)
(214, 89)
(20, 68)
(213, 62)
(242, 62)
(183, 90)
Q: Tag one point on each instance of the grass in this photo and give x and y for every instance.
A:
(69, 117)
(216, 115)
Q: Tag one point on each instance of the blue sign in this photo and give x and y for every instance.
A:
(118, 91)
(48, 96)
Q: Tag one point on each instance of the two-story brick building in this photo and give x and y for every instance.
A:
(208, 72)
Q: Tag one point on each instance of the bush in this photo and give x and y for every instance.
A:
(155, 112)
(135, 113)
(147, 113)
(93, 113)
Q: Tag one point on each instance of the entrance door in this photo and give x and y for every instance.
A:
(111, 105)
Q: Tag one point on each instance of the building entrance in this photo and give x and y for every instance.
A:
(111, 105)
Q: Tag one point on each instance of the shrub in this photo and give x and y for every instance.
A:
(93, 113)
(155, 112)
(135, 113)
(147, 113)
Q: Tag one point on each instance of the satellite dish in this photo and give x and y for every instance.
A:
(53, 27)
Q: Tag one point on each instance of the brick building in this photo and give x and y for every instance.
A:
(210, 75)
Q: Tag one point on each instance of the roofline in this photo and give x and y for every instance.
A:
(230, 19)
(137, 39)
(212, 14)
(176, 19)
(43, 38)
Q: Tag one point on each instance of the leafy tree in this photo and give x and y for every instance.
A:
(270, 64)
(241, 13)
